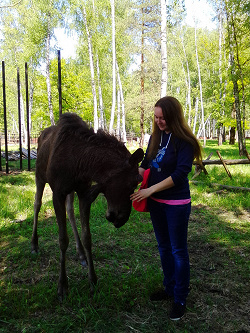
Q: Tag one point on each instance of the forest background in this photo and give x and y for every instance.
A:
(128, 54)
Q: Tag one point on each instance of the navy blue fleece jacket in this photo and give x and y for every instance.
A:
(177, 163)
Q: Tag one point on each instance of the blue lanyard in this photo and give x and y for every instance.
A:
(160, 154)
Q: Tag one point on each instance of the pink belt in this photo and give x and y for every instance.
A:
(173, 202)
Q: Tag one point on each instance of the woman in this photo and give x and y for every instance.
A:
(170, 154)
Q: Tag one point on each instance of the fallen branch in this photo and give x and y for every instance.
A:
(227, 162)
(199, 167)
(248, 156)
(224, 164)
(222, 186)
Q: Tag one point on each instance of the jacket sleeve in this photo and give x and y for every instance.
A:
(145, 164)
(185, 156)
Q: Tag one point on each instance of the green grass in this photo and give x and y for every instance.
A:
(217, 174)
(127, 264)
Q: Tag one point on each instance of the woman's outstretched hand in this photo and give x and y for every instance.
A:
(141, 194)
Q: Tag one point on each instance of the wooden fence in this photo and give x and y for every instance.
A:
(19, 114)
(199, 167)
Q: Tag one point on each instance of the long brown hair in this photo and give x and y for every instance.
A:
(176, 123)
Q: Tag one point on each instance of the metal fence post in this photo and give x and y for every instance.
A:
(5, 119)
(28, 116)
(19, 118)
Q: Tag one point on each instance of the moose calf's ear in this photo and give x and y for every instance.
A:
(136, 157)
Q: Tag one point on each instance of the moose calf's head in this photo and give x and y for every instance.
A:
(119, 188)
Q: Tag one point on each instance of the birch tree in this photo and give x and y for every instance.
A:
(111, 124)
(241, 76)
(220, 130)
(101, 106)
(142, 85)
(147, 26)
(121, 98)
(48, 37)
(200, 84)
(236, 46)
(164, 76)
(50, 14)
(92, 71)
(196, 113)
(118, 120)
(235, 88)
(188, 82)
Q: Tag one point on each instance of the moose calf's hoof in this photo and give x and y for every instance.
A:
(34, 249)
(62, 292)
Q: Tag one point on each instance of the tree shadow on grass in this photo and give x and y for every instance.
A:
(219, 256)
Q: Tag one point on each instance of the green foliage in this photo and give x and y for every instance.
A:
(25, 29)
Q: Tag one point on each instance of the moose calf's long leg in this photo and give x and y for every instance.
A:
(71, 215)
(37, 206)
(60, 210)
(86, 240)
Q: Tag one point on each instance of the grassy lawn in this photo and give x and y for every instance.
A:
(127, 263)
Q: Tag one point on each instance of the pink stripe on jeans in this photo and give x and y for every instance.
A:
(173, 202)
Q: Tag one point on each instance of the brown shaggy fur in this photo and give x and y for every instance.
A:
(70, 158)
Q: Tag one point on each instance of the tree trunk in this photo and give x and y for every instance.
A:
(237, 110)
(188, 85)
(101, 107)
(118, 120)
(232, 136)
(124, 137)
(201, 97)
(51, 115)
(164, 64)
(111, 124)
(196, 114)
(232, 46)
(102, 120)
(243, 89)
(92, 71)
(221, 138)
(237, 106)
(186, 82)
(142, 90)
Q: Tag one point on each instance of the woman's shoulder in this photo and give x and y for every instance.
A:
(181, 143)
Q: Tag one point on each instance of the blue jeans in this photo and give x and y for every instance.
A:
(170, 226)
